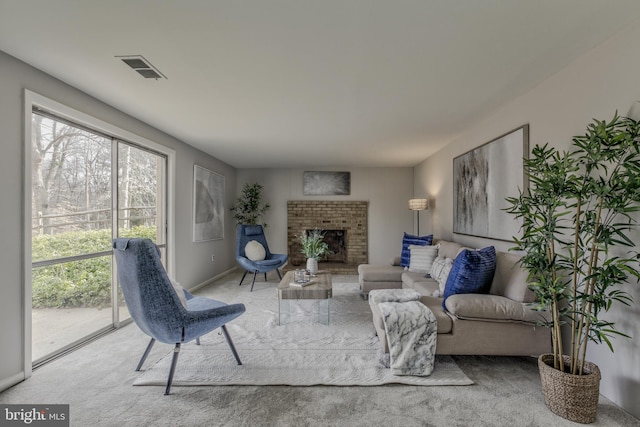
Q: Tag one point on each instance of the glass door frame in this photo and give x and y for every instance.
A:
(31, 100)
(162, 185)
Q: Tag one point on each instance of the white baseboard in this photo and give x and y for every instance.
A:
(213, 279)
(5, 383)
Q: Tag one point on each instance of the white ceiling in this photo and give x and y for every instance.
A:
(299, 83)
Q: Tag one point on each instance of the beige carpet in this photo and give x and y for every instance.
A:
(96, 382)
(299, 353)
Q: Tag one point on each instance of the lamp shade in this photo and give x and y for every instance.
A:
(418, 204)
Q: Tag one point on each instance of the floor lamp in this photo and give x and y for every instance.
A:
(418, 205)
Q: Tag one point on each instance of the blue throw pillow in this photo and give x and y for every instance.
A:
(472, 272)
(408, 239)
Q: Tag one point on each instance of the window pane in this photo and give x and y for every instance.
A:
(140, 187)
(85, 283)
(70, 301)
(71, 190)
(71, 206)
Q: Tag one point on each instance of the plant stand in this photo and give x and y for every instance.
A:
(573, 397)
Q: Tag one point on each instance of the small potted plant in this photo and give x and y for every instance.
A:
(578, 217)
(313, 247)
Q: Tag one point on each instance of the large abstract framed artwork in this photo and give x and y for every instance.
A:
(208, 205)
(482, 179)
(326, 183)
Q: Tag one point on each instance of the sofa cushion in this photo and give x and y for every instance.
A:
(408, 240)
(426, 286)
(418, 282)
(440, 270)
(421, 258)
(492, 307)
(445, 322)
(448, 249)
(510, 280)
(380, 273)
(472, 272)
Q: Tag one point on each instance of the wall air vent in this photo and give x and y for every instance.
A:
(142, 66)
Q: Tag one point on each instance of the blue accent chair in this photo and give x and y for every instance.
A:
(245, 234)
(155, 306)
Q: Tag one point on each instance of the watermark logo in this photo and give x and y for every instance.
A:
(34, 415)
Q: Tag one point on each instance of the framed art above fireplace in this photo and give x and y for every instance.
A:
(483, 178)
(326, 183)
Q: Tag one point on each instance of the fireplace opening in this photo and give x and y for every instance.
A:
(337, 242)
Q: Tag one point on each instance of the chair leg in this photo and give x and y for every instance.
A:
(279, 275)
(198, 341)
(233, 348)
(243, 276)
(265, 277)
(174, 360)
(254, 280)
(146, 353)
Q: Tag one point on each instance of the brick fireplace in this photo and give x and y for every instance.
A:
(346, 231)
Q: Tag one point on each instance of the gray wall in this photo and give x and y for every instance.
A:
(193, 260)
(595, 85)
(386, 189)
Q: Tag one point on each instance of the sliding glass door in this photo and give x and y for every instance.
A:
(87, 188)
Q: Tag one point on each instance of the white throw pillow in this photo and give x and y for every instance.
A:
(422, 258)
(440, 271)
(179, 291)
(255, 251)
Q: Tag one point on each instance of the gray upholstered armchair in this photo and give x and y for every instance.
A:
(253, 254)
(160, 307)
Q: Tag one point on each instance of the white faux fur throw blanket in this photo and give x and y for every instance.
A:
(411, 330)
(393, 295)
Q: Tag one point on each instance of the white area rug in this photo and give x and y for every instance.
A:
(300, 353)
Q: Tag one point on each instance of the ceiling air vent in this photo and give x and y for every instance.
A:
(142, 66)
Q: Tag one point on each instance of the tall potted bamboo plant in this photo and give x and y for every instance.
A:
(248, 208)
(577, 217)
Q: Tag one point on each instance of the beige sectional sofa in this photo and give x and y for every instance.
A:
(499, 323)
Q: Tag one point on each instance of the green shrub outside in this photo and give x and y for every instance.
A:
(85, 283)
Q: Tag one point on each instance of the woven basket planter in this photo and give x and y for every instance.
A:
(574, 397)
